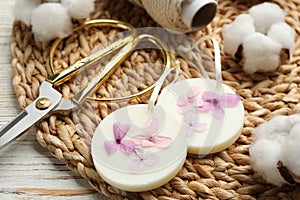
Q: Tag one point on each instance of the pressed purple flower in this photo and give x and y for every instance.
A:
(141, 159)
(125, 146)
(216, 103)
(191, 124)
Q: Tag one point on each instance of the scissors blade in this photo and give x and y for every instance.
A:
(14, 128)
(30, 115)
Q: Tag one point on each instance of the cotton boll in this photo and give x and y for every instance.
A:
(265, 15)
(23, 10)
(79, 9)
(265, 150)
(274, 141)
(51, 20)
(261, 53)
(235, 33)
(290, 150)
(264, 155)
(284, 34)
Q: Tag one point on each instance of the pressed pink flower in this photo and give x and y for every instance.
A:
(216, 103)
(150, 137)
(125, 146)
(186, 102)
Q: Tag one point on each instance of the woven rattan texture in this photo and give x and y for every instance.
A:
(224, 175)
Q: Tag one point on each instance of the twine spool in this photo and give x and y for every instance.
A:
(224, 175)
(180, 15)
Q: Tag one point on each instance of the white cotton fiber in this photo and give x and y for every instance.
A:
(290, 155)
(79, 9)
(276, 129)
(284, 34)
(51, 20)
(23, 8)
(264, 155)
(274, 141)
(236, 32)
(261, 53)
(265, 15)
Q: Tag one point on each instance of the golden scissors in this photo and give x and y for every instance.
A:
(50, 99)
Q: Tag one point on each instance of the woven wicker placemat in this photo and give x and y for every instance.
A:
(224, 175)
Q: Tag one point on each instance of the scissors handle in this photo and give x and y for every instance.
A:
(60, 77)
(108, 70)
(115, 62)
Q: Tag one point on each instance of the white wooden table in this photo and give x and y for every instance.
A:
(28, 171)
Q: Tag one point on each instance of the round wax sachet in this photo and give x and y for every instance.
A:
(210, 117)
(135, 150)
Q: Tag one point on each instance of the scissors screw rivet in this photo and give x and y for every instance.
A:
(42, 103)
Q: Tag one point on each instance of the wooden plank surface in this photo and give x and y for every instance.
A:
(28, 171)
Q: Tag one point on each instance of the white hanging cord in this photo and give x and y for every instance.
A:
(159, 83)
(218, 67)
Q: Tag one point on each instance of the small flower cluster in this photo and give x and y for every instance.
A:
(53, 18)
(261, 37)
(134, 147)
(207, 102)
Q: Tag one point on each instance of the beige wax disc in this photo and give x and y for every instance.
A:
(219, 133)
(158, 155)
